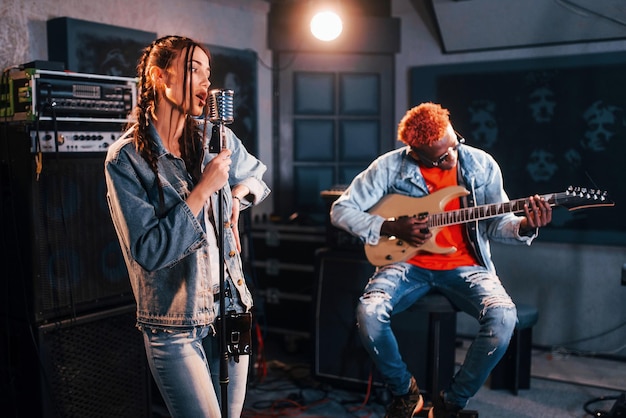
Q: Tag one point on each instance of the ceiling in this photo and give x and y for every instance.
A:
(472, 25)
(466, 25)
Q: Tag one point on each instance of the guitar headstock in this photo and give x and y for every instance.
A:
(581, 197)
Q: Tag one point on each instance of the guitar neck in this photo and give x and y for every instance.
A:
(477, 213)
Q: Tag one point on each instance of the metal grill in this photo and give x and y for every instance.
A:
(94, 366)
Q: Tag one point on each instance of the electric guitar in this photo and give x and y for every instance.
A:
(392, 249)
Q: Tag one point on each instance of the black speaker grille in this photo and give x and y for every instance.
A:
(80, 264)
(62, 254)
(94, 367)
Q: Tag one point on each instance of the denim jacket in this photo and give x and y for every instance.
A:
(164, 245)
(397, 172)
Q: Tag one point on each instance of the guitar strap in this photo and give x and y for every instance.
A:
(468, 200)
(471, 228)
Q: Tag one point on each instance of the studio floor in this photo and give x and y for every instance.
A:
(562, 385)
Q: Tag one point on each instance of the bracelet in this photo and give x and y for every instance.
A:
(235, 197)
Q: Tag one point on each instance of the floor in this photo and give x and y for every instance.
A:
(587, 371)
(562, 385)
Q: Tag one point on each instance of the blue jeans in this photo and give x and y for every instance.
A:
(473, 289)
(185, 366)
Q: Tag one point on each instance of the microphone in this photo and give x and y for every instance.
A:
(221, 109)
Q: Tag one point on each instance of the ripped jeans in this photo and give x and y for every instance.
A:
(473, 289)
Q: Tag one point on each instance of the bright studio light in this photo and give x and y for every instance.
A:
(326, 26)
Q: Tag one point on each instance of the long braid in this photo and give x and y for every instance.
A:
(145, 107)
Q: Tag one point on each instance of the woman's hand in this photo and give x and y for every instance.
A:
(214, 177)
(215, 174)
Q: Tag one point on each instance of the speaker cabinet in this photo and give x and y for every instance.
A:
(62, 256)
(91, 366)
(339, 354)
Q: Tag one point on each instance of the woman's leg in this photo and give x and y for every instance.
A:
(179, 365)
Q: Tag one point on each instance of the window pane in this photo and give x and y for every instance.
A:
(313, 140)
(314, 93)
(358, 140)
(348, 173)
(359, 94)
(308, 183)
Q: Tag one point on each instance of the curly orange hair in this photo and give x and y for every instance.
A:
(423, 124)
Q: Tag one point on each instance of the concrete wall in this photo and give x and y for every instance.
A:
(237, 24)
(576, 287)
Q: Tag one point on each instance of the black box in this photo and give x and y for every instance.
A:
(339, 353)
(90, 366)
(283, 263)
(96, 48)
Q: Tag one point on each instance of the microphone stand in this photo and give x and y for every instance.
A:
(221, 113)
(224, 379)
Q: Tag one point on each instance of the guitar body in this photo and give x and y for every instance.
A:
(391, 249)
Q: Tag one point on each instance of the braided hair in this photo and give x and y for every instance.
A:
(162, 53)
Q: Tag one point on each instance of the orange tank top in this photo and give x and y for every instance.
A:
(453, 235)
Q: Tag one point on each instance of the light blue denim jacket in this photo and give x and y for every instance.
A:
(165, 246)
(397, 172)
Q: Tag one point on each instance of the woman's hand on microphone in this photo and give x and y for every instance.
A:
(215, 174)
(214, 177)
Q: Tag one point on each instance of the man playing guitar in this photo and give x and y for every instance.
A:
(454, 259)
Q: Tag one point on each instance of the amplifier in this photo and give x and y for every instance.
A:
(74, 136)
(30, 95)
(335, 237)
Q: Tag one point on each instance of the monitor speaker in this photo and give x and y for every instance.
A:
(339, 354)
(61, 257)
(90, 366)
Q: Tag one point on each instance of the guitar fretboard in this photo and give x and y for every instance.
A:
(476, 213)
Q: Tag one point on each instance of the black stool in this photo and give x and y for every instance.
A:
(513, 370)
(441, 339)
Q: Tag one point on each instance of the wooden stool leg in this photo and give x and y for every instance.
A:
(435, 354)
(441, 346)
(516, 363)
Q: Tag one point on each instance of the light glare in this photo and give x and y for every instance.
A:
(326, 26)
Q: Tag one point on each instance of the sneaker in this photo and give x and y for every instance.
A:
(443, 409)
(405, 406)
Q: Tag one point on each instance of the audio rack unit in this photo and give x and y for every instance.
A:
(30, 95)
(74, 136)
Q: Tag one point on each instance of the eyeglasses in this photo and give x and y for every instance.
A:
(444, 157)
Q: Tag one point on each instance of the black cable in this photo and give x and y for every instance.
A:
(598, 412)
(555, 347)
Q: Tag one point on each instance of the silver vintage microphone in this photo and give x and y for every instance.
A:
(221, 109)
